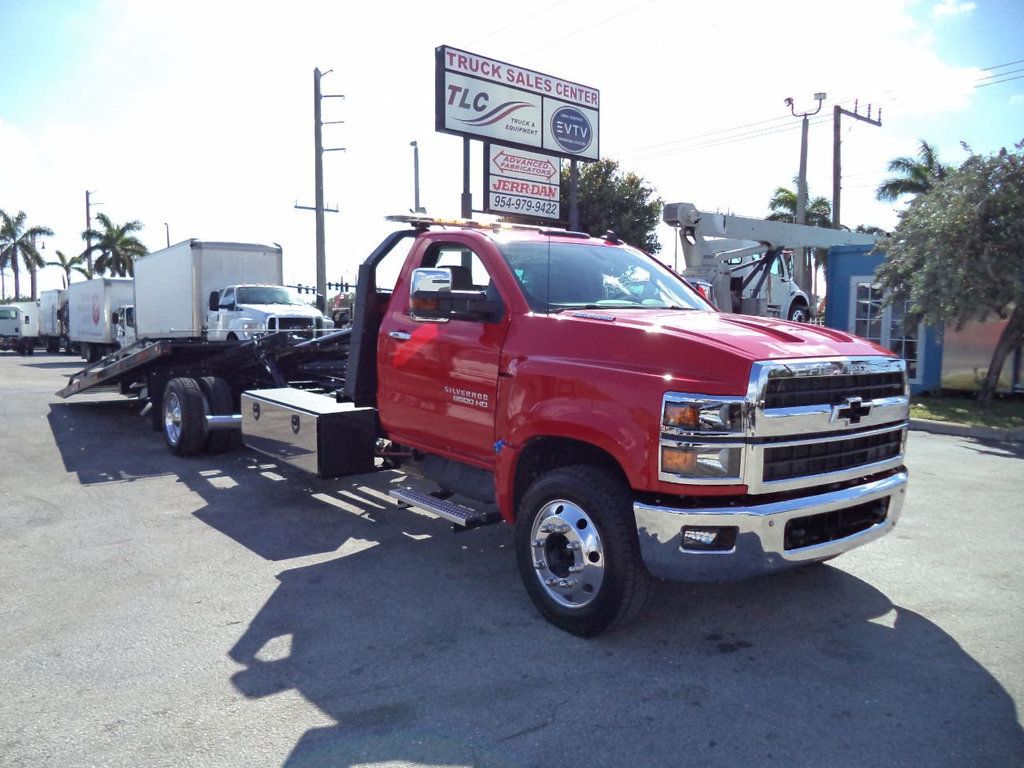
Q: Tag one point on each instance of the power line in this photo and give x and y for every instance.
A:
(702, 135)
(687, 140)
(588, 28)
(1000, 66)
(724, 141)
(997, 82)
(518, 21)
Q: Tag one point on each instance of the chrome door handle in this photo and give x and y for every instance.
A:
(400, 335)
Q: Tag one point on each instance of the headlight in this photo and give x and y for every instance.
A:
(708, 462)
(701, 414)
(702, 439)
(250, 326)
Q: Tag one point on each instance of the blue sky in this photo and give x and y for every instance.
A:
(198, 114)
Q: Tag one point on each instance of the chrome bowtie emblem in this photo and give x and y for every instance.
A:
(853, 409)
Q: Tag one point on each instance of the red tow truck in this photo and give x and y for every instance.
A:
(578, 390)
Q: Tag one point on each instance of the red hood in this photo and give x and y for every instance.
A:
(753, 338)
(697, 351)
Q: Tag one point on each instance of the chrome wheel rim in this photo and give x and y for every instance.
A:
(568, 554)
(800, 316)
(172, 418)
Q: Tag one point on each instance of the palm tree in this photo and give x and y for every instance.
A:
(916, 174)
(18, 241)
(817, 213)
(85, 272)
(67, 264)
(117, 246)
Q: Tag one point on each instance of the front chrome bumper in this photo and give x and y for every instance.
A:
(760, 542)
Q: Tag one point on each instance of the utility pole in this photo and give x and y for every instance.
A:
(803, 268)
(318, 176)
(837, 170)
(88, 227)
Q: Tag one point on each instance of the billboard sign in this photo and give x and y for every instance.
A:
(482, 98)
(521, 182)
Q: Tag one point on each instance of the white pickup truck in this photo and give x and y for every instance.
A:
(239, 311)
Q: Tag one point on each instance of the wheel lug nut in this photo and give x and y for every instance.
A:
(538, 543)
(575, 568)
(573, 545)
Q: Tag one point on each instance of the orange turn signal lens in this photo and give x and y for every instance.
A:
(678, 461)
(681, 415)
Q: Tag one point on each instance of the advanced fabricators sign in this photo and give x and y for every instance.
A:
(482, 98)
(517, 181)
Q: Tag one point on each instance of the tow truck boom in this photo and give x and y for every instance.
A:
(735, 255)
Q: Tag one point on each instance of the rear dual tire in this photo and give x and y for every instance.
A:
(187, 402)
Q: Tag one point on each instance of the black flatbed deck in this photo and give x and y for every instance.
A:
(259, 357)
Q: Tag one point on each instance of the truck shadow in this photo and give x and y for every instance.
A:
(428, 651)
(421, 646)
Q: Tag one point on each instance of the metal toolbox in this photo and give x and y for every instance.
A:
(309, 431)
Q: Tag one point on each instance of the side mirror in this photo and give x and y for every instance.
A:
(429, 286)
(214, 301)
(431, 298)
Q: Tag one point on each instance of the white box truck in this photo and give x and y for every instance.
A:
(220, 291)
(53, 331)
(10, 328)
(28, 323)
(91, 307)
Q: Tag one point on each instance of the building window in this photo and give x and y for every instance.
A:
(890, 325)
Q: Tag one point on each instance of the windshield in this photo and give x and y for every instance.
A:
(265, 294)
(556, 276)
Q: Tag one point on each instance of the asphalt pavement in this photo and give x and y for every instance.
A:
(225, 611)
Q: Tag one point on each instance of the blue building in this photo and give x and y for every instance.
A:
(855, 304)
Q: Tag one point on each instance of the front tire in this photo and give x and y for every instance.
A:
(798, 313)
(577, 550)
(184, 413)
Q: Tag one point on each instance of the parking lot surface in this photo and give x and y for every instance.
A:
(225, 611)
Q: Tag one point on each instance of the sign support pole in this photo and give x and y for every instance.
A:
(574, 209)
(467, 195)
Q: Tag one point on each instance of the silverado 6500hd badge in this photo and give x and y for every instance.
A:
(467, 397)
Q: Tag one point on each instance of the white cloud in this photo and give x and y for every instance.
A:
(949, 8)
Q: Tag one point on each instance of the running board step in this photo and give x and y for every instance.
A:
(463, 517)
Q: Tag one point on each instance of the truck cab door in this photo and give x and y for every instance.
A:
(220, 321)
(438, 380)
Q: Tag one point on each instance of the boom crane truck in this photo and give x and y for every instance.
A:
(575, 389)
(746, 264)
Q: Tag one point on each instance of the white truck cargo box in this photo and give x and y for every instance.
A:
(90, 305)
(49, 304)
(173, 285)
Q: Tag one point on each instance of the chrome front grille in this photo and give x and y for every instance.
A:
(820, 421)
(804, 423)
(796, 391)
(291, 323)
(812, 458)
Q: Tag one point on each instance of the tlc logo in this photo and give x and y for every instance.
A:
(466, 100)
